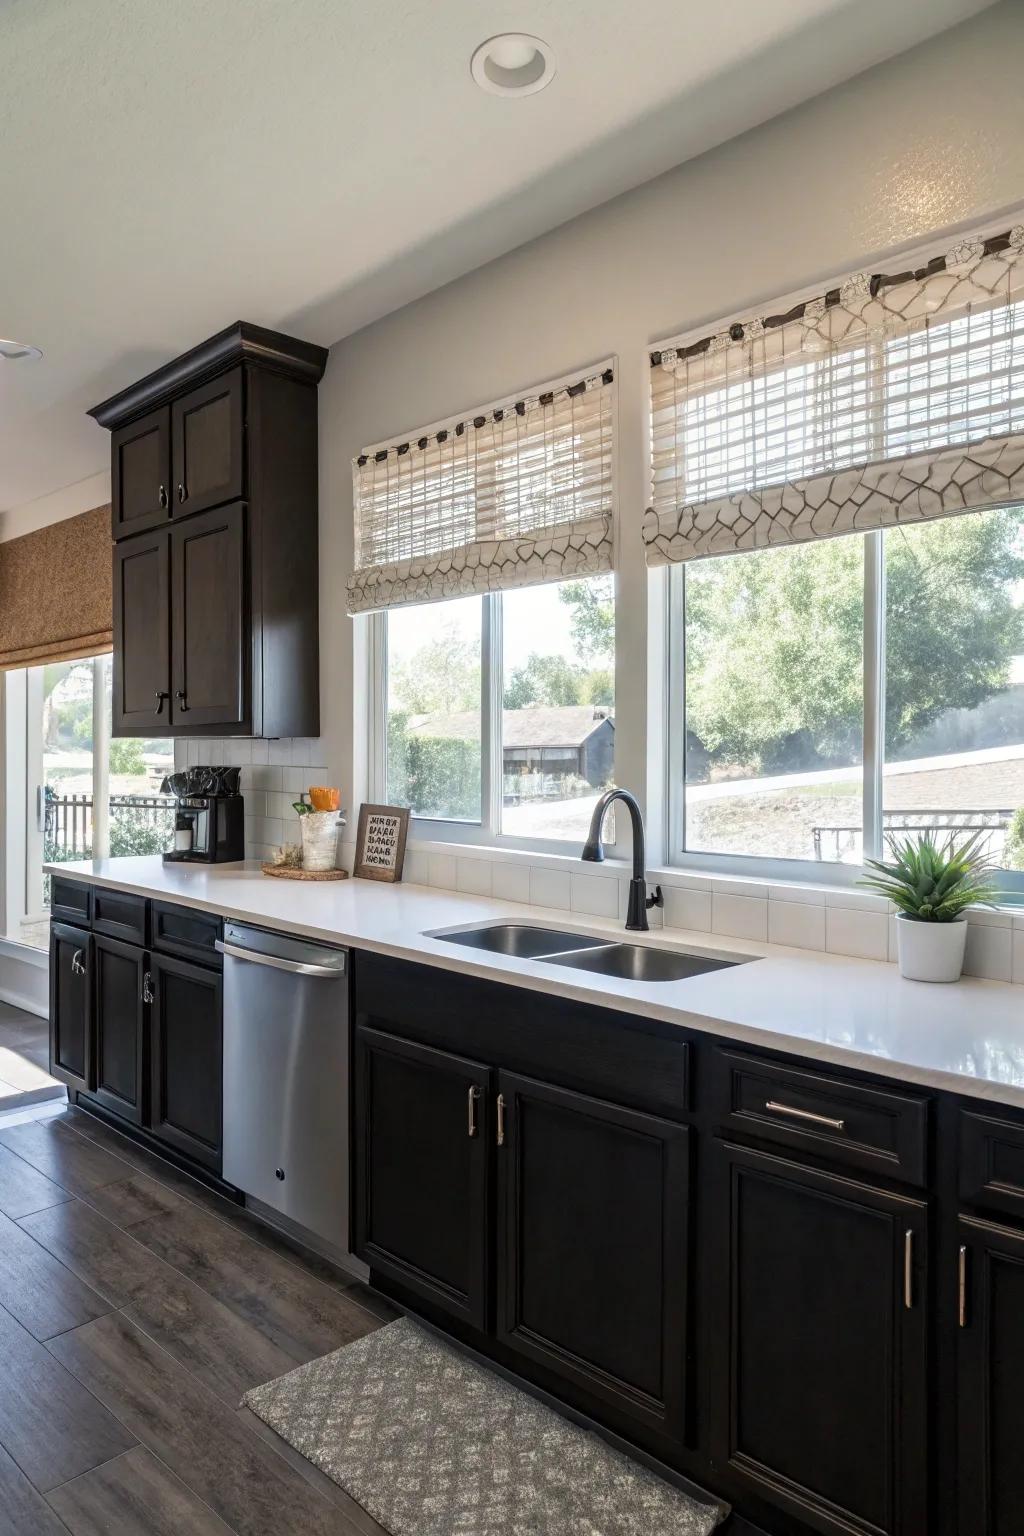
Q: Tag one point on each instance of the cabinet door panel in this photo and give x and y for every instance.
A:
(990, 1368)
(592, 1250)
(71, 1053)
(186, 1047)
(140, 468)
(142, 661)
(209, 608)
(421, 1170)
(818, 1362)
(207, 430)
(120, 1035)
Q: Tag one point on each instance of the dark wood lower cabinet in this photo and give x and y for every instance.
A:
(422, 1154)
(990, 1363)
(119, 1002)
(186, 1059)
(592, 1249)
(71, 1053)
(819, 1344)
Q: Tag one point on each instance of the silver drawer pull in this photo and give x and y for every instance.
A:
(776, 1108)
(473, 1095)
(908, 1269)
(961, 1287)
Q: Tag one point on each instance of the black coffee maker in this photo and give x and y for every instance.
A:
(209, 821)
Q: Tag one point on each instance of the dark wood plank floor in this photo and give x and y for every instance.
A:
(136, 1307)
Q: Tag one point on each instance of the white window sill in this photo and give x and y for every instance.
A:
(26, 954)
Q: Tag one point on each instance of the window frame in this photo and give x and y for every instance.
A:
(793, 871)
(487, 831)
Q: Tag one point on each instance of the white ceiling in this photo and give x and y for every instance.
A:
(166, 169)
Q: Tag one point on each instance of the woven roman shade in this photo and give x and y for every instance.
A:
(55, 592)
(892, 398)
(514, 495)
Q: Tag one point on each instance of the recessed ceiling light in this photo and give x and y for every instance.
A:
(513, 64)
(17, 351)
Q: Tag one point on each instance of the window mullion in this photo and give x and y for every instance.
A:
(377, 706)
(491, 691)
(677, 712)
(874, 691)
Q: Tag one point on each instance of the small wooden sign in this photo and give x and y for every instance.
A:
(380, 842)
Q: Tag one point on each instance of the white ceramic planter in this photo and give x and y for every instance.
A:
(930, 951)
(319, 839)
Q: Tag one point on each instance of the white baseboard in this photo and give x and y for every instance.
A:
(25, 1003)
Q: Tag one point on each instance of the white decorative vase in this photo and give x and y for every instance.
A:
(930, 951)
(319, 839)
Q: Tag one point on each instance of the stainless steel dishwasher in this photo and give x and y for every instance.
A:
(286, 1077)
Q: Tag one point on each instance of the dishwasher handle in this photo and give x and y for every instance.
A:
(295, 967)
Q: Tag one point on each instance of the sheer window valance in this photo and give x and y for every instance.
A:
(514, 495)
(55, 592)
(889, 399)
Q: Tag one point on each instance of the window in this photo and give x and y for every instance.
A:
(776, 704)
(523, 681)
(71, 765)
(840, 488)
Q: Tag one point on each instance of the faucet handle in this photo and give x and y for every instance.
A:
(657, 900)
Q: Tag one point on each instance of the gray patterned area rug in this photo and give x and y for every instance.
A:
(431, 1444)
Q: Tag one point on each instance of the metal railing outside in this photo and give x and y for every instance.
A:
(138, 823)
(835, 843)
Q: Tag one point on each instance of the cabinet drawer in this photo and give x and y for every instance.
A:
(119, 915)
(183, 931)
(70, 901)
(811, 1111)
(992, 1162)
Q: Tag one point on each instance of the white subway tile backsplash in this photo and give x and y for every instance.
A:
(510, 882)
(727, 885)
(989, 952)
(260, 751)
(687, 908)
(739, 917)
(594, 896)
(264, 777)
(442, 871)
(280, 751)
(241, 751)
(417, 868)
(1018, 954)
(856, 901)
(550, 888)
(473, 876)
(799, 895)
(797, 924)
(864, 935)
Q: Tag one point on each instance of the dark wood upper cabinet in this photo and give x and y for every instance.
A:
(141, 682)
(140, 473)
(421, 1159)
(991, 1355)
(71, 1054)
(208, 609)
(232, 422)
(818, 1336)
(592, 1250)
(207, 427)
(120, 991)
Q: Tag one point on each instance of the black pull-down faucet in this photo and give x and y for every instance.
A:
(593, 852)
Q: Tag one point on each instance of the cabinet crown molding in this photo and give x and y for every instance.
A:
(242, 342)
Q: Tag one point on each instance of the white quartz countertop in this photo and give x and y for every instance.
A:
(967, 1038)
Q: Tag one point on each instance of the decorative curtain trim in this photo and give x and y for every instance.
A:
(513, 496)
(889, 399)
(56, 592)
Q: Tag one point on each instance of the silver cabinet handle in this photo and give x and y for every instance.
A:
(775, 1108)
(147, 987)
(961, 1289)
(908, 1269)
(501, 1119)
(471, 1098)
(77, 963)
(296, 967)
(162, 497)
(182, 493)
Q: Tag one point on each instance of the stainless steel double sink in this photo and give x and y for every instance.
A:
(584, 952)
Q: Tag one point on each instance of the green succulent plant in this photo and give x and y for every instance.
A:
(933, 882)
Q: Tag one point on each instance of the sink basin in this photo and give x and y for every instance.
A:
(523, 941)
(635, 962)
(584, 952)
